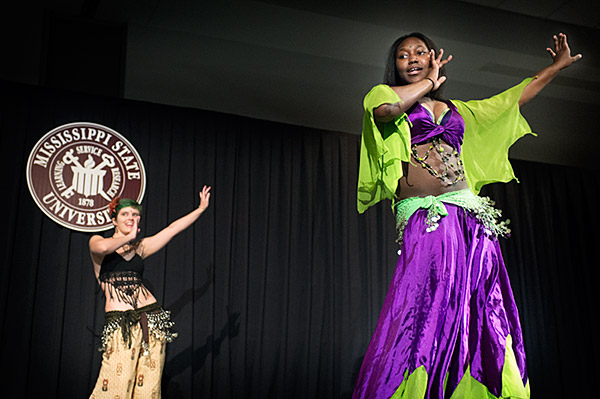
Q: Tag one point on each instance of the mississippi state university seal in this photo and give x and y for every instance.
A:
(75, 170)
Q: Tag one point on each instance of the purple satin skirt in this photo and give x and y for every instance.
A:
(449, 306)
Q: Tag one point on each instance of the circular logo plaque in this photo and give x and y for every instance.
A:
(75, 170)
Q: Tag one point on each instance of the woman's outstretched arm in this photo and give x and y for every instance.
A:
(100, 246)
(561, 58)
(153, 244)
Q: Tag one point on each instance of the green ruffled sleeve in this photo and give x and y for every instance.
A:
(491, 127)
(384, 145)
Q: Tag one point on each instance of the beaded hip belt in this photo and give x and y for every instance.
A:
(153, 319)
(481, 207)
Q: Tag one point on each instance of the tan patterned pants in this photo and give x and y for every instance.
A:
(128, 372)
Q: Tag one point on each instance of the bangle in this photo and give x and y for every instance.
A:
(432, 83)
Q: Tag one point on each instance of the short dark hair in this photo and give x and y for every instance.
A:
(391, 76)
(119, 203)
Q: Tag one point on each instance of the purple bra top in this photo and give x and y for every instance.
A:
(451, 128)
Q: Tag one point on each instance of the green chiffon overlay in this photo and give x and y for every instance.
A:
(491, 126)
(414, 386)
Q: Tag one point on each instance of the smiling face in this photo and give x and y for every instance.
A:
(124, 221)
(412, 60)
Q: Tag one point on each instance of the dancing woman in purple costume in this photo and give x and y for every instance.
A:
(449, 327)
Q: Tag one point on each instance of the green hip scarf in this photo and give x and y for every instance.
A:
(481, 207)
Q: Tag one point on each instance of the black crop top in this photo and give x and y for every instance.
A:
(123, 277)
(116, 263)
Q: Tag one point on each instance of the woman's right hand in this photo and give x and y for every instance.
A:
(132, 235)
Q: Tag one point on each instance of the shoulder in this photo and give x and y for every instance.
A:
(380, 94)
(95, 238)
(380, 89)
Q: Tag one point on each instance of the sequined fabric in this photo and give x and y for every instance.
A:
(449, 308)
(153, 318)
(159, 325)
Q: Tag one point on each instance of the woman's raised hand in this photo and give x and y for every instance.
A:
(204, 198)
(437, 62)
(561, 55)
(132, 235)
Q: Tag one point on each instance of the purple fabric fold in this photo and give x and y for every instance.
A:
(449, 306)
(424, 128)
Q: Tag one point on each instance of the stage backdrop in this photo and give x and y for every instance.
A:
(276, 290)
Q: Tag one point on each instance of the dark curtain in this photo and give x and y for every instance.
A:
(276, 290)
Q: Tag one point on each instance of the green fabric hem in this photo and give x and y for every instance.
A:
(414, 386)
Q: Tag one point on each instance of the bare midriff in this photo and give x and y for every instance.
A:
(419, 182)
(112, 303)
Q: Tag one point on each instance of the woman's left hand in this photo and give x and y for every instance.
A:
(562, 52)
(204, 198)
(561, 58)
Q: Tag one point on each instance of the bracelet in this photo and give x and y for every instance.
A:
(432, 82)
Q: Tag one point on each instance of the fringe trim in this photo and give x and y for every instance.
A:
(125, 286)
